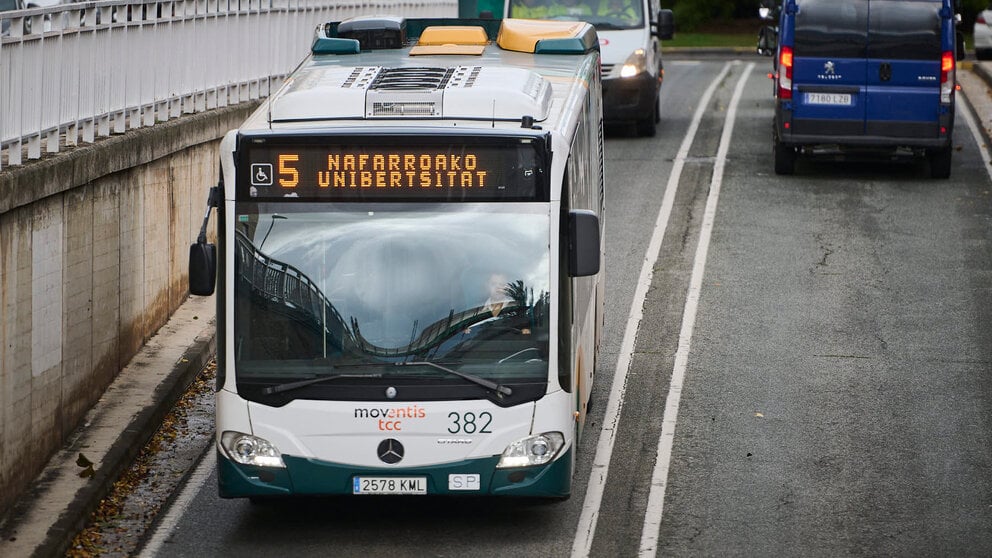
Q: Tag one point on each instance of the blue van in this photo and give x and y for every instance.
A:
(865, 76)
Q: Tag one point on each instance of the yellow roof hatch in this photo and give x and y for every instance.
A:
(544, 36)
(455, 39)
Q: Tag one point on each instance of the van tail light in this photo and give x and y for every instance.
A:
(947, 79)
(785, 73)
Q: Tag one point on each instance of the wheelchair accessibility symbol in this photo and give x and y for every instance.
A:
(261, 174)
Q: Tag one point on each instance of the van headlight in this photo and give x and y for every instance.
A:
(636, 63)
(251, 450)
(532, 450)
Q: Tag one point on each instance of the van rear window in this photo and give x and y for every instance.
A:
(902, 30)
(832, 28)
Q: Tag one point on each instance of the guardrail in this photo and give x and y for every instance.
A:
(76, 72)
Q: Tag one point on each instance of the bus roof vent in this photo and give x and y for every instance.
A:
(407, 92)
(411, 78)
(471, 92)
(462, 92)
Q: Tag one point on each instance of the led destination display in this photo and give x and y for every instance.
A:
(507, 171)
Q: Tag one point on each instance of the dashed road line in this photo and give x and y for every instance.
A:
(586, 530)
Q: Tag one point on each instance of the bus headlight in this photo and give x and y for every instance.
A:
(250, 450)
(636, 63)
(532, 450)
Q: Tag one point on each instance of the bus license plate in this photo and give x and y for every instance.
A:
(390, 485)
(841, 99)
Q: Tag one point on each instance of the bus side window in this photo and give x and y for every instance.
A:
(565, 295)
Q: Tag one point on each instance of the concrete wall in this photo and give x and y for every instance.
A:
(93, 249)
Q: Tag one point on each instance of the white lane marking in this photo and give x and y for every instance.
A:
(586, 529)
(659, 480)
(969, 119)
(178, 508)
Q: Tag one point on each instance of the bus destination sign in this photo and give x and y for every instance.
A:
(447, 172)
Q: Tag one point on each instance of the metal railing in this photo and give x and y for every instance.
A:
(75, 72)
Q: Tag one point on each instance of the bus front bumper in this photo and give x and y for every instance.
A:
(313, 477)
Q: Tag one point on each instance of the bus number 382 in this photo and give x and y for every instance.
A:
(470, 423)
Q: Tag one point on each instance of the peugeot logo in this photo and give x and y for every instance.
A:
(390, 451)
(828, 68)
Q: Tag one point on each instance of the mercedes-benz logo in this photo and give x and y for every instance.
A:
(390, 451)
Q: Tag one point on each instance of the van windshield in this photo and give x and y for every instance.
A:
(602, 14)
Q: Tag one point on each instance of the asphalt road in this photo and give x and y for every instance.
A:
(835, 394)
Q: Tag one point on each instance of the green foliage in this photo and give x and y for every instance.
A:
(690, 15)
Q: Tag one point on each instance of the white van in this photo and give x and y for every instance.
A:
(630, 34)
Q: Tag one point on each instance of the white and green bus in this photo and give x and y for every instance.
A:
(409, 295)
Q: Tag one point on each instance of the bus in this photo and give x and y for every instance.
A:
(408, 264)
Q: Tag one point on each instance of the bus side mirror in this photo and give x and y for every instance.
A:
(665, 28)
(583, 243)
(202, 268)
(202, 255)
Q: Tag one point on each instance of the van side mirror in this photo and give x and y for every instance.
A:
(665, 26)
(583, 243)
(202, 268)
(767, 40)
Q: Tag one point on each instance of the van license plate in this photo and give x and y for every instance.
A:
(828, 99)
(390, 485)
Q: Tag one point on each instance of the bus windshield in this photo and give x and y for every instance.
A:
(362, 292)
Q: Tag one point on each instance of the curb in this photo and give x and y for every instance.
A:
(983, 73)
(128, 445)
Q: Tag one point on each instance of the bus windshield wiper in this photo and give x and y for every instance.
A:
(289, 386)
(488, 384)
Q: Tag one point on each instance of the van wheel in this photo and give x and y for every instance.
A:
(648, 127)
(785, 158)
(940, 162)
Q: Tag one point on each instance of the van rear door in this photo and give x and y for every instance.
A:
(904, 58)
(830, 68)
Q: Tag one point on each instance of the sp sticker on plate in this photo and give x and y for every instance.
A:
(464, 482)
